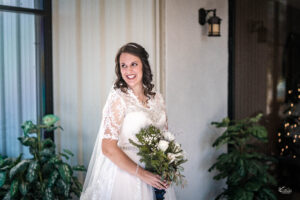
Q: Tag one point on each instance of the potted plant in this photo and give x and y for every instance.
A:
(246, 171)
(44, 176)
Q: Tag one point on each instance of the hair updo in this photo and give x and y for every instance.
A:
(136, 50)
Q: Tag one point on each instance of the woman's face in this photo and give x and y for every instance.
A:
(131, 69)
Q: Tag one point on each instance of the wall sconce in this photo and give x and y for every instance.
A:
(214, 22)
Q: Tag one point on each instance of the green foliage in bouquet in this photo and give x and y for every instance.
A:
(246, 171)
(161, 154)
(45, 175)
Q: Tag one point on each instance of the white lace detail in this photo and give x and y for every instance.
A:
(123, 116)
(113, 114)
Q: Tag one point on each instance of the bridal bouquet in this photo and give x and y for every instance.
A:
(161, 154)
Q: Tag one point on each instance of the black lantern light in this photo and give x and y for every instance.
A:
(214, 22)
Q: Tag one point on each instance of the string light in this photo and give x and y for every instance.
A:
(295, 136)
(288, 133)
(295, 125)
(290, 112)
(299, 136)
(286, 125)
(286, 146)
(279, 140)
(292, 105)
(282, 149)
(279, 134)
(290, 91)
(294, 156)
(294, 141)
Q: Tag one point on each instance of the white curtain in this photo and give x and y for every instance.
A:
(86, 37)
(19, 86)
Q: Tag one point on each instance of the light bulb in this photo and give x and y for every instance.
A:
(294, 140)
(282, 149)
(292, 105)
(290, 91)
(288, 133)
(286, 146)
(294, 156)
(279, 140)
(279, 134)
(290, 112)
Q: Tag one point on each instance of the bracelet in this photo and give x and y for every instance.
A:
(137, 169)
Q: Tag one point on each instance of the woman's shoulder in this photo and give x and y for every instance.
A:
(115, 94)
(158, 96)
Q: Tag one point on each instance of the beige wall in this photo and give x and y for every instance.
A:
(191, 67)
(196, 89)
(86, 37)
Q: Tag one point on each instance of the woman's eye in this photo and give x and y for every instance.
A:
(134, 64)
(123, 65)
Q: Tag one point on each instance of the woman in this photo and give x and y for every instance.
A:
(115, 172)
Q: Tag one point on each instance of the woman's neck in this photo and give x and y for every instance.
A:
(138, 90)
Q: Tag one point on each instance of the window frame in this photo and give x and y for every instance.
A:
(46, 70)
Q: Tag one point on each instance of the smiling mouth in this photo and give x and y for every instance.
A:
(130, 77)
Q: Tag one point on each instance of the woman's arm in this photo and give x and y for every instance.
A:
(111, 150)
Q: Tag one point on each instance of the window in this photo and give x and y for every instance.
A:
(25, 68)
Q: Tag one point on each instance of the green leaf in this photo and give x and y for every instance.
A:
(32, 172)
(79, 168)
(63, 187)
(28, 141)
(47, 152)
(19, 168)
(270, 195)
(65, 172)
(23, 188)
(28, 127)
(47, 143)
(14, 188)
(50, 119)
(64, 155)
(48, 195)
(47, 168)
(52, 178)
(68, 152)
(259, 132)
(253, 186)
(7, 196)
(2, 178)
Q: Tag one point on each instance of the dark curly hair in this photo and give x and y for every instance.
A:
(136, 50)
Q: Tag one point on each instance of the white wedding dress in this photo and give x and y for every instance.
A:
(123, 117)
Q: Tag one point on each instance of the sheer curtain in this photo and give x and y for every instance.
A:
(86, 38)
(19, 69)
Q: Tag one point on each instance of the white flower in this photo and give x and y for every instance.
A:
(172, 157)
(177, 145)
(168, 136)
(163, 145)
(179, 154)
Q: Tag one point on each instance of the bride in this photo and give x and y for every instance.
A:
(115, 172)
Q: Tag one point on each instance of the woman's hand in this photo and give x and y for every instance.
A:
(152, 179)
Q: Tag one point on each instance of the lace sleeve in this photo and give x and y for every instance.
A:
(113, 115)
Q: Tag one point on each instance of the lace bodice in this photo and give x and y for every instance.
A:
(124, 115)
